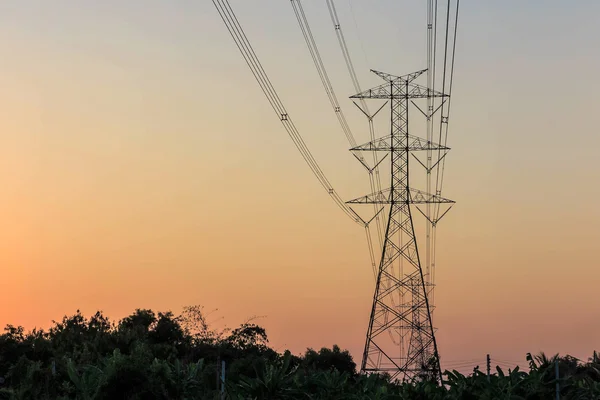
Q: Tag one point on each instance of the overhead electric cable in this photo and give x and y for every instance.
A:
(316, 57)
(241, 41)
(379, 221)
(358, 32)
(444, 119)
(344, 47)
(330, 92)
(443, 90)
(450, 92)
(445, 116)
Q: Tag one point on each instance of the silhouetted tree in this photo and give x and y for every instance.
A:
(248, 335)
(328, 359)
(150, 355)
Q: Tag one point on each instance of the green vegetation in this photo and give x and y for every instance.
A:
(163, 356)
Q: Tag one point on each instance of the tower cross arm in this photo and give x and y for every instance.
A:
(395, 91)
(404, 78)
(384, 197)
(414, 143)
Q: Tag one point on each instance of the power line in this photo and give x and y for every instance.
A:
(444, 112)
(330, 92)
(376, 181)
(316, 57)
(358, 32)
(249, 55)
(344, 47)
(443, 131)
(450, 90)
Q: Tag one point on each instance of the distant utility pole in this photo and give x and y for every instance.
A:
(217, 371)
(222, 380)
(488, 362)
(556, 374)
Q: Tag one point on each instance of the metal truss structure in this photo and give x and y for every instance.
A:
(400, 337)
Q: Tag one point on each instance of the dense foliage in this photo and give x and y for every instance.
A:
(163, 356)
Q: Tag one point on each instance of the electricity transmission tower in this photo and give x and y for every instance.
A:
(400, 337)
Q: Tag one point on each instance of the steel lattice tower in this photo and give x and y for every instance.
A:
(400, 337)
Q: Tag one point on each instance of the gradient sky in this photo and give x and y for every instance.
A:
(141, 166)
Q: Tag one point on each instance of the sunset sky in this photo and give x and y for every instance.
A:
(142, 167)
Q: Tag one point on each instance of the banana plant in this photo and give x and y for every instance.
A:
(87, 384)
(272, 382)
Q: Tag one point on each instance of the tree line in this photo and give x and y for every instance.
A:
(149, 355)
